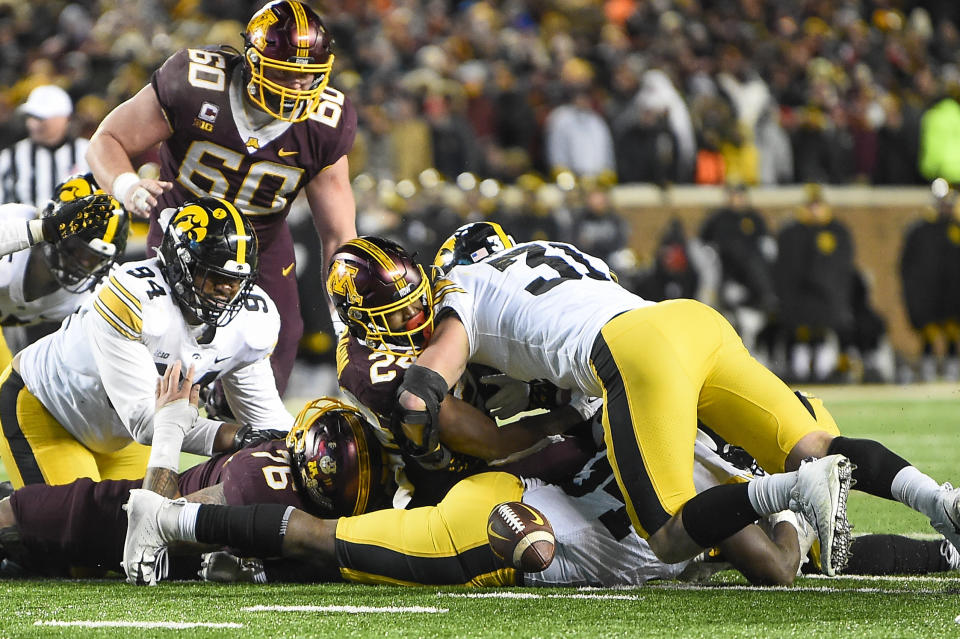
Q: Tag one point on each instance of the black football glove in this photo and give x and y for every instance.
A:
(250, 436)
(69, 218)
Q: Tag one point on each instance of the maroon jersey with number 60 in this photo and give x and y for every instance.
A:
(215, 149)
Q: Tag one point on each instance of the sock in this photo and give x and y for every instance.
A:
(256, 530)
(717, 513)
(771, 493)
(915, 489)
(187, 522)
(895, 555)
(876, 464)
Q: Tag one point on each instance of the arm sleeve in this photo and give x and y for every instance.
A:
(449, 297)
(251, 392)
(15, 236)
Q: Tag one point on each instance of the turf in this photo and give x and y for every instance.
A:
(920, 423)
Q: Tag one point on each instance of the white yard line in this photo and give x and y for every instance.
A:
(531, 595)
(173, 625)
(350, 609)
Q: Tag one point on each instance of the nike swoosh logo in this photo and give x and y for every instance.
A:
(284, 153)
(493, 534)
(286, 270)
(537, 519)
(220, 359)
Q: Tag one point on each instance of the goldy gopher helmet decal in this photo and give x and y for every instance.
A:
(285, 40)
(382, 295)
(336, 459)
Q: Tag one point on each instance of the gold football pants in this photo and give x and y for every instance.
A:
(432, 545)
(663, 368)
(36, 449)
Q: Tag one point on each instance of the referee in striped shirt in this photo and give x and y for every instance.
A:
(33, 166)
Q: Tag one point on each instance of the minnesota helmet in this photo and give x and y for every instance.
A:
(471, 243)
(209, 259)
(80, 261)
(382, 295)
(336, 460)
(283, 40)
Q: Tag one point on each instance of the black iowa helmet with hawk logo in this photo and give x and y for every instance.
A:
(209, 256)
(336, 459)
(382, 295)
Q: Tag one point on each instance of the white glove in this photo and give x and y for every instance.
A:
(585, 404)
(512, 398)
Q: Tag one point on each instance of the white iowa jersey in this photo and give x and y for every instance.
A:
(596, 544)
(97, 375)
(534, 311)
(15, 310)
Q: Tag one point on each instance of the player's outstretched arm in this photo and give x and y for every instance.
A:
(334, 213)
(175, 416)
(129, 130)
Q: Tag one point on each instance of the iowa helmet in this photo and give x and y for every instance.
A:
(471, 243)
(382, 295)
(283, 40)
(336, 460)
(209, 259)
(79, 262)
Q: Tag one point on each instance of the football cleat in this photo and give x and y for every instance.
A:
(820, 495)
(145, 560)
(946, 520)
(222, 567)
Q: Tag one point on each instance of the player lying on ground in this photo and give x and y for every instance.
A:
(46, 530)
(444, 544)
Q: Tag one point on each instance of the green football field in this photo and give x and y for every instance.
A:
(922, 423)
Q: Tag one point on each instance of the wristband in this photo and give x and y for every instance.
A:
(35, 231)
(122, 185)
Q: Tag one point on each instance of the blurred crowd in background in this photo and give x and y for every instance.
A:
(467, 110)
(660, 91)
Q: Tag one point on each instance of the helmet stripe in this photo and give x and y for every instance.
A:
(363, 464)
(303, 28)
(381, 257)
(241, 233)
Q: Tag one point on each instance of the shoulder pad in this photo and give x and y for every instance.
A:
(259, 321)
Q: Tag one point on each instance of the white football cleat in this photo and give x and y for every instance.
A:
(946, 520)
(820, 495)
(145, 558)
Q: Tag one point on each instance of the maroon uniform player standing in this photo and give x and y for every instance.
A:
(254, 129)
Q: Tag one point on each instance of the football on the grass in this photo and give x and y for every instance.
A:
(521, 536)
